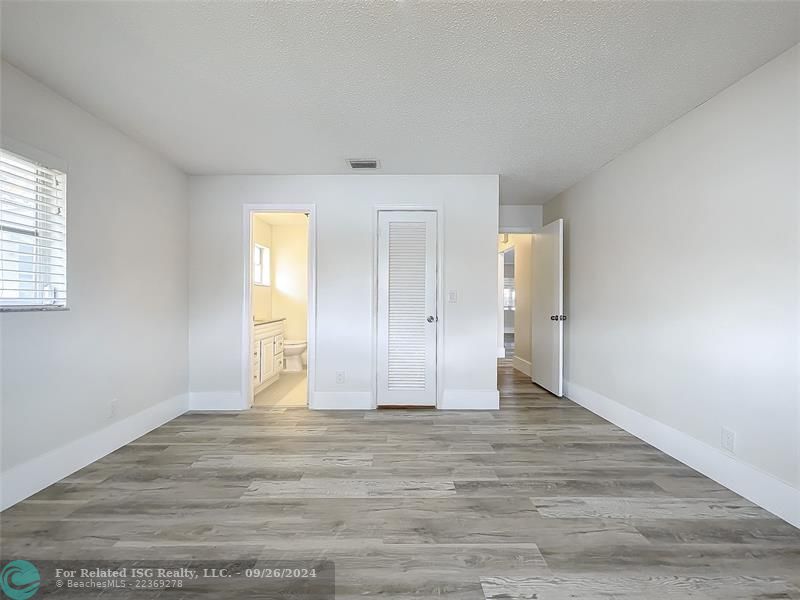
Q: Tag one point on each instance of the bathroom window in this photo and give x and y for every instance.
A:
(33, 246)
(260, 265)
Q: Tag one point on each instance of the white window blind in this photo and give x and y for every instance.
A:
(33, 250)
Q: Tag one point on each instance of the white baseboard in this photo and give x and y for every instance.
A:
(214, 401)
(763, 489)
(470, 400)
(521, 365)
(341, 401)
(24, 480)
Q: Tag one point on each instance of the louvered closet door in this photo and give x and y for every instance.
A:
(407, 319)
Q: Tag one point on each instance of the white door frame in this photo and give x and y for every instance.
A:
(439, 210)
(248, 210)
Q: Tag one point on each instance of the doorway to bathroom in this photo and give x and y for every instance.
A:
(279, 306)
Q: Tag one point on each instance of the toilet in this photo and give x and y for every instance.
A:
(294, 355)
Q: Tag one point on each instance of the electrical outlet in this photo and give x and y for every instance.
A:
(452, 296)
(339, 377)
(728, 440)
(113, 406)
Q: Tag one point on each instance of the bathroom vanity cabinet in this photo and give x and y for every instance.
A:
(267, 350)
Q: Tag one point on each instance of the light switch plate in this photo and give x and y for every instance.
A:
(452, 296)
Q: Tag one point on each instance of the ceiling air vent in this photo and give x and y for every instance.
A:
(364, 164)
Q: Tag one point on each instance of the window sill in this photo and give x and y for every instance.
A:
(13, 309)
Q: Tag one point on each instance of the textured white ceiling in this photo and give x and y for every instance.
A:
(541, 93)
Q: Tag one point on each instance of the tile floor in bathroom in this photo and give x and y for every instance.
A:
(289, 390)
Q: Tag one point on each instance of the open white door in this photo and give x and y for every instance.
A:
(407, 317)
(548, 307)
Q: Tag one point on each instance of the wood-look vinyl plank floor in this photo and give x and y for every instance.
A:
(541, 499)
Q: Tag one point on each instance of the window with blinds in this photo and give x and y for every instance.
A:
(33, 251)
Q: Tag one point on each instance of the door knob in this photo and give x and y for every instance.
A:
(429, 319)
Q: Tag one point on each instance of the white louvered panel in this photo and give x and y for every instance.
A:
(406, 300)
(32, 234)
(406, 362)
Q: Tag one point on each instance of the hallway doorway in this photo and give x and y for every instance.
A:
(279, 311)
(514, 300)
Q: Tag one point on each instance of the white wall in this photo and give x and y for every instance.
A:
(261, 295)
(682, 280)
(345, 279)
(290, 278)
(125, 335)
(515, 217)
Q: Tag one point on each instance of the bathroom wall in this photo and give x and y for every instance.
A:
(290, 278)
(261, 295)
